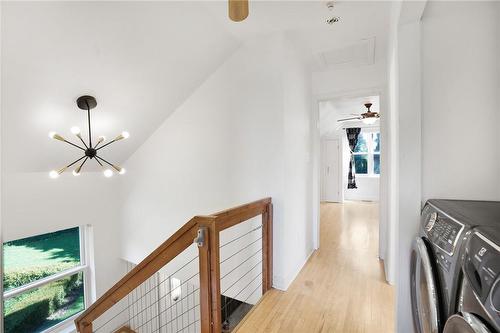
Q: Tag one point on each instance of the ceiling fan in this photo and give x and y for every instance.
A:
(367, 117)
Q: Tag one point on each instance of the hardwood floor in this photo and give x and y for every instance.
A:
(341, 288)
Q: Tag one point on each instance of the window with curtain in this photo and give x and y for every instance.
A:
(367, 154)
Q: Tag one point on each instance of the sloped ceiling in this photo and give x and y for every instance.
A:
(140, 60)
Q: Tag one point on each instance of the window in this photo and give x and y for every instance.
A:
(46, 280)
(367, 154)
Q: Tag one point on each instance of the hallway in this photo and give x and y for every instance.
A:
(342, 286)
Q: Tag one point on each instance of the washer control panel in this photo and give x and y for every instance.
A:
(441, 230)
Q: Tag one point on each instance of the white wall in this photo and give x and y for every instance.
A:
(35, 204)
(410, 162)
(458, 113)
(296, 234)
(229, 143)
(460, 100)
(368, 189)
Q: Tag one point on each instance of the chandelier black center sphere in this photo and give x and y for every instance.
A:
(89, 150)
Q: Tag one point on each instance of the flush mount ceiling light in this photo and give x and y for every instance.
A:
(238, 10)
(90, 151)
(332, 19)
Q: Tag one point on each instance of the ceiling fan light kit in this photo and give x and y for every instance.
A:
(368, 117)
(90, 151)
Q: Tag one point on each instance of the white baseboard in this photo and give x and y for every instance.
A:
(282, 284)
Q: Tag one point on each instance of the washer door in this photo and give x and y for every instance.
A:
(425, 302)
(467, 323)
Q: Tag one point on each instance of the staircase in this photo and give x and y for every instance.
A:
(204, 278)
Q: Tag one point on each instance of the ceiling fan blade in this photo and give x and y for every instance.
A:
(346, 119)
(238, 10)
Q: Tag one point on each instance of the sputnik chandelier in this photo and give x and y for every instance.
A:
(89, 151)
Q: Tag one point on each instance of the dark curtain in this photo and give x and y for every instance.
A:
(352, 137)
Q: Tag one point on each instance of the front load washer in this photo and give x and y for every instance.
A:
(479, 301)
(437, 256)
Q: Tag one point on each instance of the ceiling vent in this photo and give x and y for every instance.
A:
(351, 55)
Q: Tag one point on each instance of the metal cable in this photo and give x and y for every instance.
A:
(164, 296)
(149, 291)
(184, 327)
(234, 298)
(250, 257)
(251, 269)
(234, 240)
(223, 261)
(165, 310)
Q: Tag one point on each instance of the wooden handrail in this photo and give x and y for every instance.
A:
(208, 263)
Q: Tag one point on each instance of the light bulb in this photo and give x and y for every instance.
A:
(53, 174)
(122, 171)
(108, 173)
(101, 138)
(75, 130)
(125, 134)
(54, 135)
(369, 121)
(75, 173)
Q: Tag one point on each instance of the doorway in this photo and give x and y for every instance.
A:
(350, 206)
(336, 116)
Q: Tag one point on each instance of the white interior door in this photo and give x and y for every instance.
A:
(331, 172)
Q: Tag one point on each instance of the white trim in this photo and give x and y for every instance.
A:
(86, 267)
(41, 282)
(89, 276)
(340, 195)
(65, 326)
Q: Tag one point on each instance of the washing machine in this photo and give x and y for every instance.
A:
(479, 300)
(438, 255)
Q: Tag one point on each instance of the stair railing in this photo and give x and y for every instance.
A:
(121, 301)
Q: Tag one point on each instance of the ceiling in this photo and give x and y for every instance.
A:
(332, 110)
(141, 60)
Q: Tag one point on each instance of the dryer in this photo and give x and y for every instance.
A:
(479, 301)
(438, 254)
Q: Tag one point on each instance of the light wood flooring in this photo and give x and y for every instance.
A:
(341, 288)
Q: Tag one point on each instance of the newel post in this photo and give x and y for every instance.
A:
(203, 241)
(267, 248)
(209, 276)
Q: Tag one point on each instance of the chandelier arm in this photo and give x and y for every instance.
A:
(81, 165)
(78, 160)
(107, 144)
(97, 145)
(81, 139)
(99, 162)
(102, 159)
(71, 143)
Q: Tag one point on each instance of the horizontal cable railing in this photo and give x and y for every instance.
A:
(204, 287)
(241, 271)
